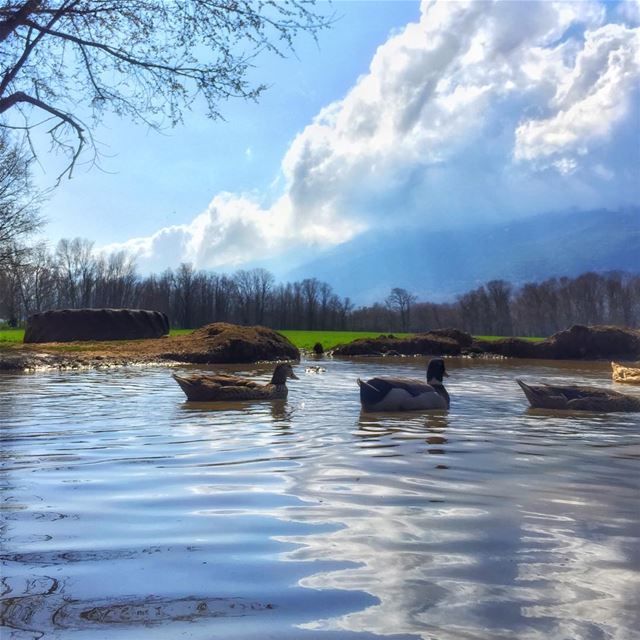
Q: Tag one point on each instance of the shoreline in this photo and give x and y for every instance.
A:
(30, 361)
(222, 343)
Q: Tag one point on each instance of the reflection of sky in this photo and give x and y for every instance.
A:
(488, 522)
(508, 536)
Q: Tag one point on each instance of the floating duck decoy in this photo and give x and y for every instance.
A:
(575, 398)
(405, 394)
(213, 388)
(622, 373)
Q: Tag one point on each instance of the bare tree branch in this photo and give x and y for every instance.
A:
(141, 59)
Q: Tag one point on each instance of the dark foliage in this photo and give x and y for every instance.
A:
(75, 277)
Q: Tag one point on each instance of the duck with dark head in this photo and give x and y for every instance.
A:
(405, 394)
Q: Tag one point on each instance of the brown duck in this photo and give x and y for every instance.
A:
(224, 387)
(574, 398)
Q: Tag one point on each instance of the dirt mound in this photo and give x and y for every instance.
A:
(511, 348)
(215, 343)
(463, 338)
(447, 342)
(229, 343)
(593, 343)
(70, 325)
(577, 343)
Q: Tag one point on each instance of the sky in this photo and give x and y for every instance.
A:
(428, 116)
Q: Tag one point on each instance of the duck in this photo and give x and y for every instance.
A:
(315, 369)
(576, 398)
(622, 373)
(225, 387)
(405, 394)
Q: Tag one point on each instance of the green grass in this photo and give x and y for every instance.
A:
(17, 335)
(11, 335)
(329, 339)
(494, 338)
(302, 339)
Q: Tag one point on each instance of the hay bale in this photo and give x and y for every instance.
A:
(69, 325)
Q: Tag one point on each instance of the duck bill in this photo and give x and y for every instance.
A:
(293, 376)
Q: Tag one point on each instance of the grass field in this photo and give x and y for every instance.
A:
(17, 335)
(494, 338)
(329, 339)
(11, 335)
(302, 339)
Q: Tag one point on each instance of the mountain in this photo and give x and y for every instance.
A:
(438, 265)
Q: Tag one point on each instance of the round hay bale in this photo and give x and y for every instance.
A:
(69, 325)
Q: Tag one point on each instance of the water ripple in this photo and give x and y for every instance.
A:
(128, 513)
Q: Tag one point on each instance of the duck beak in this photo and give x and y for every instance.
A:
(294, 376)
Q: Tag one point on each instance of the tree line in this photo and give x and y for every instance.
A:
(74, 276)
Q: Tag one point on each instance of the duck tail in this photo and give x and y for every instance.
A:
(185, 384)
(365, 384)
(528, 392)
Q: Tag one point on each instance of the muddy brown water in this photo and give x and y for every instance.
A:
(128, 513)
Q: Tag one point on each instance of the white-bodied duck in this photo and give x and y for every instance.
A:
(406, 394)
(224, 387)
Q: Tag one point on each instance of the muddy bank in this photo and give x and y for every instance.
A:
(441, 343)
(229, 343)
(577, 343)
(216, 343)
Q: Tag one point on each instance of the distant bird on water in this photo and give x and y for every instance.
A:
(224, 387)
(405, 394)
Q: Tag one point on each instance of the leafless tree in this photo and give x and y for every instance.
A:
(18, 203)
(75, 276)
(401, 300)
(76, 267)
(67, 62)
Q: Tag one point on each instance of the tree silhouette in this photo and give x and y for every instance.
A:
(400, 300)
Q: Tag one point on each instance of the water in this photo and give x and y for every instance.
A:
(130, 514)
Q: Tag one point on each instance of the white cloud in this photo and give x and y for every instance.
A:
(494, 108)
(233, 230)
(590, 100)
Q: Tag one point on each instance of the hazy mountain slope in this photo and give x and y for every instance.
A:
(437, 265)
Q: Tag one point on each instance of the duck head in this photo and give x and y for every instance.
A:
(436, 371)
(282, 372)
